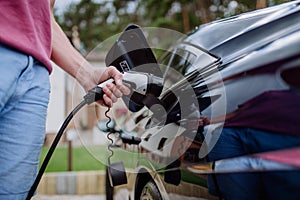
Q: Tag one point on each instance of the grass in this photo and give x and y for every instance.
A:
(95, 158)
(81, 160)
(86, 158)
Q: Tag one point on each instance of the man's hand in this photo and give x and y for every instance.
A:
(112, 91)
(89, 77)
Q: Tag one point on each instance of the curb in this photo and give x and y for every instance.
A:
(76, 183)
(72, 183)
(93, 183)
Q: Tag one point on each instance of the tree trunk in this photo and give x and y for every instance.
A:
(203, 6)
(185, 19)
(261, 4)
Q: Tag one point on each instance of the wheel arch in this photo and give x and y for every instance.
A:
(142, 178)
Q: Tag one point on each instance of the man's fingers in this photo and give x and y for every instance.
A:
(110, 91)
(113, 72)
(114, 90)
(107, 101)
(123, 89)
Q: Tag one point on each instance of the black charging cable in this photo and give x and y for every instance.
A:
(92, 95)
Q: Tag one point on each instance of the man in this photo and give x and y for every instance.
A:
(29, 38)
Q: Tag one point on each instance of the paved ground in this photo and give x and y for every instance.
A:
(121, 194)
(101, 197)
(69, 197)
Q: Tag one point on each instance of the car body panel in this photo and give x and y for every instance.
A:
(249, 50)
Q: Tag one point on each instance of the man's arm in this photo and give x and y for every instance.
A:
(70, 60)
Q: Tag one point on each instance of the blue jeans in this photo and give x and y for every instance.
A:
(24, 96)
(274, 184)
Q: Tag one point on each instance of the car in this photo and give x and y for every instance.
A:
(210, 72)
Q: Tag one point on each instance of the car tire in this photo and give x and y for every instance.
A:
(109, 190)
(150, 192)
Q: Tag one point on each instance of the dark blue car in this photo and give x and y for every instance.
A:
(210, 72)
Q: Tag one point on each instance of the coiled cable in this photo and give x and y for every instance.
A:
(109, 136)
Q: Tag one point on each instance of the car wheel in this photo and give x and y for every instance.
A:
(109, 190)
(150, 192)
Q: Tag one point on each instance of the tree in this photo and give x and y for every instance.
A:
(204, 8)
(98, 20)
(90, 18)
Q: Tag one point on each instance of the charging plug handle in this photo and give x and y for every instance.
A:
(141, 83)
(96, 94)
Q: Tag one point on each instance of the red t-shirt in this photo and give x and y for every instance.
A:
(274, 111)
(25, 25)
